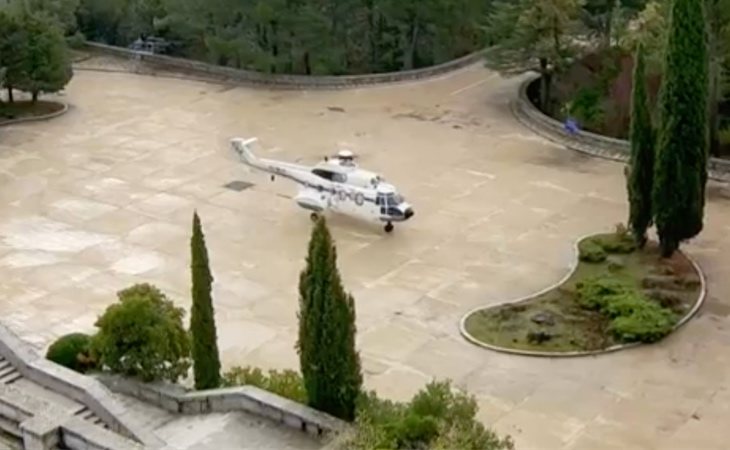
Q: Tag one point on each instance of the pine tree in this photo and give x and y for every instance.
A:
(680, 173)
(329, 362)
(641, 171)
(206, 362)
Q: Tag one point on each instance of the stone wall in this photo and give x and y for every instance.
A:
(145, 62)
(585, 141)
(248, 399)
(85, 390)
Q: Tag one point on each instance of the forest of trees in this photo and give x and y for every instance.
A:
(584, 50)
(287, 36)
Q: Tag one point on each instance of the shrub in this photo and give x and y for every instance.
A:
(593, 293)
(620, 241)
(587, 108)
(72, 351)
(286, 383)
(623, 304)
(647, 322)
(436, 417)
(143, 336)
(634, 317)
(76, 40)
(590, 251)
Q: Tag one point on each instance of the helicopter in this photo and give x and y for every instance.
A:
(335, 184)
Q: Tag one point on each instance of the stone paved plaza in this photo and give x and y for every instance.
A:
(103, 196)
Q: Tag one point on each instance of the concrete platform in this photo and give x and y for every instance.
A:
(103, 197)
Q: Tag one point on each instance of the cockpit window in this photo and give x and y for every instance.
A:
(392, 200)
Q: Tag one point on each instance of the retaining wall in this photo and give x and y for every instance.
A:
(281, 81)
(248, 399)
(585, 141)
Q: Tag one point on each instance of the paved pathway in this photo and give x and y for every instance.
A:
(103, 196)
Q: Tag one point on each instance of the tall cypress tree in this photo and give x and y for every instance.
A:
(641, 171)
(206, 362)
(680, 173)
(329, 361)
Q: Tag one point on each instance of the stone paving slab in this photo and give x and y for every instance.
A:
(102, 197)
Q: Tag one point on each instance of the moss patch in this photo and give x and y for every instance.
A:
(557, 321)
(22, 109)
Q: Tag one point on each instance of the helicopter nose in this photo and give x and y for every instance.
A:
(409, 213)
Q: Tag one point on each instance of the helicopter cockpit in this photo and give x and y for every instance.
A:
(393, 205)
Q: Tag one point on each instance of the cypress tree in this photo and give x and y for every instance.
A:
(641, 171)
(329, 361)
(680, 173)
(206, 362)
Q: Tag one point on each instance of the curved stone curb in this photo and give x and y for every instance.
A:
(210, 72)
(585, 141)
(52, 115)
(462, 323)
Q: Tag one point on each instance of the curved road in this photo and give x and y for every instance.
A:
(103, 197)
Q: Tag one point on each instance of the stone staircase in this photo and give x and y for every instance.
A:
(88, 415)
(8, 373)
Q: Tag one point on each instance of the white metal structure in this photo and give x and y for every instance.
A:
(335, 184)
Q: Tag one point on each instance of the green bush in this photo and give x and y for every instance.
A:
(436, 418)
(143, 336)
(647, 322)
(72, 351)
(287, 383)
(587, 108)
(617, 244)
(76, 40)
(634, 317)
(593, 293)
(590, 251)
(724, 136)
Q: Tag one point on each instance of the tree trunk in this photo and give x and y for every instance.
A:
(668, 247)
(10, 94)
(372, 36)
(411, 52)
(714, 115)
(545, 78)
(34, 96)
(307, 67)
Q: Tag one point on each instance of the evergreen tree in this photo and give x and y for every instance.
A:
(681, 162)
(641, 171)
(206, 362)
(329, 362)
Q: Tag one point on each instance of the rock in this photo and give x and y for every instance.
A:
(660, 282)
(615, 263)
(668, 299)
(538, 337)
(544, 318)
(690, 282)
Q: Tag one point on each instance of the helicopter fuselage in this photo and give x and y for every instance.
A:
(336, 184)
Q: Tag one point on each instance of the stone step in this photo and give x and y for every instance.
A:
(88, 415)
(8, 374)
(11, 377)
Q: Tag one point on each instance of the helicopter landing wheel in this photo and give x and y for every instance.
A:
(388, 227)
(314, 216)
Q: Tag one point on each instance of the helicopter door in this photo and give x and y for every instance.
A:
(380, 203)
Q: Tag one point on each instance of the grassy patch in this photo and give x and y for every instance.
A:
(21, 109)
(622, 295)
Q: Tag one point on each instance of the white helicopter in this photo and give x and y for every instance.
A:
(335, 184)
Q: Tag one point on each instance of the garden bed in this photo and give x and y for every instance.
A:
(616, 295)
(27, 109)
